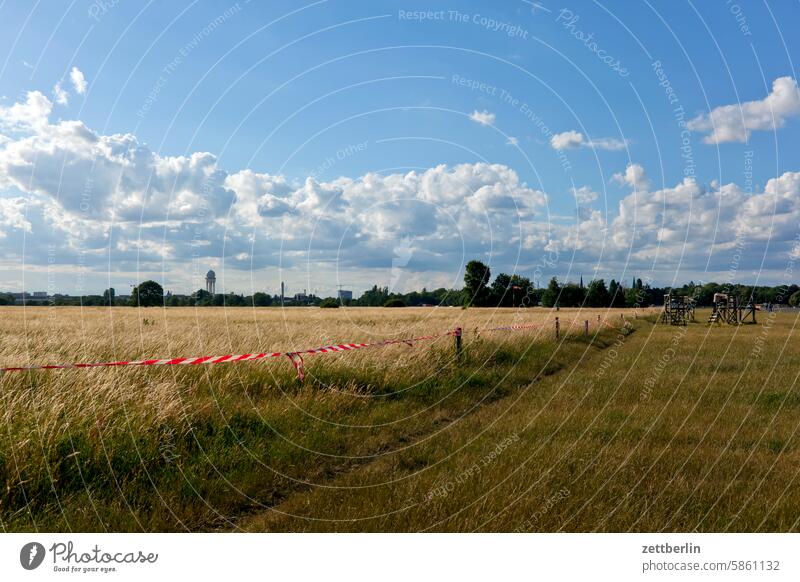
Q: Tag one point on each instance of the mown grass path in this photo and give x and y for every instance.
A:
(674, 429)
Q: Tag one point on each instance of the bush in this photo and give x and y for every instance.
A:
(395, 303)
(329, 303)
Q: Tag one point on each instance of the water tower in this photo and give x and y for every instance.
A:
(211, 282)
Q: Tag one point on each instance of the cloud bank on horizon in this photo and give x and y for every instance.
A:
(345, 143)
(113, 201)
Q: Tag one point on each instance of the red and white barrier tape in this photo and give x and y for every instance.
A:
(296, 357)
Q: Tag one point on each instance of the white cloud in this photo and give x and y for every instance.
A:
(512, 141)
(117, 202)
(584, 195)
(567, 140)
(634, 176)
(110, 200)
(482, 117)
(574, 139)
(78, 80)
(735, 123)
(12, 215)
(607, 143)
(60, 95)
(29, 115)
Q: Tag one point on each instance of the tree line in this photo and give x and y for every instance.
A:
(479, 290)
(515, 290)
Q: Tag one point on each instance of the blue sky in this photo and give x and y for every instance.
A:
(275, 140)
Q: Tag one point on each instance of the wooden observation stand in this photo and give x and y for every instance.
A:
(728, 309)
(678, 310)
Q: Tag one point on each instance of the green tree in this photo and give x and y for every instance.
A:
(476, 279)
(572, 295)
(147, 294)
(261, 299)
(616, 293)
(794, 299)
(329, 303)
(500, 291)
(108, 296)
(597, 294)
(635, 297)
(233, 300)
(201, 297)
(551, 294)
(374, 297)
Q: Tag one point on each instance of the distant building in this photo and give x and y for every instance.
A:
(345, 295)
(211, 282)
(34, 298)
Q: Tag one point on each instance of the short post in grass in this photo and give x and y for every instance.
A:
(585, 328)
(557, 328)
(457, 336)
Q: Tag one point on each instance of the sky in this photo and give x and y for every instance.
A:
(343, 144)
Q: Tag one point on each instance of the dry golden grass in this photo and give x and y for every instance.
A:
(67, 434)
(664, 429)
(685, 429)
(64, 334)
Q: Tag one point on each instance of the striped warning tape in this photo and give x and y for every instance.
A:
(296, 357)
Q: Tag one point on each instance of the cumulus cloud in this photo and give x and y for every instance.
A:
(512, 141)
(699, 231)
(567, 140)
(31, 114)
(574, 139)
(482, 117)
(12, 215)
(110, 200)
(60, 94)
(735, 123)
(634, 176)
(78, 80)
(584, 195)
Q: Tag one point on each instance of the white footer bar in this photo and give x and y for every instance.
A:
(389, 557)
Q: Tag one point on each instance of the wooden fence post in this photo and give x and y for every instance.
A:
(457, 336)
(557, 328)
(586, 328)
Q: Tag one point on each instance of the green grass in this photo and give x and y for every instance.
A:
(664, 429)
(711, 447)
(247, 442)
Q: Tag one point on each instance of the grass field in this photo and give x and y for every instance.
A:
(657, 428)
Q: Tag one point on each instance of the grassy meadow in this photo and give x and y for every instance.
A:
(647, 429)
